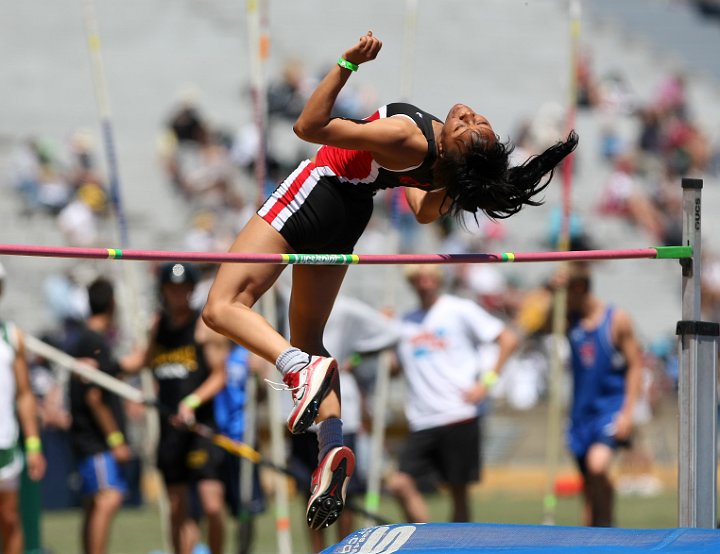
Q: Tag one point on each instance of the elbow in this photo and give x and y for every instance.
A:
(304, 131)
(300, 130)
(309, 132)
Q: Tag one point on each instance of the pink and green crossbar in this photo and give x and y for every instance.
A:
(657, 252)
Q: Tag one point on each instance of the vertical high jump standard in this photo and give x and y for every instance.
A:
(697, 385)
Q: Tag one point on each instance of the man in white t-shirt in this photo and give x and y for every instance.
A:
(438, 353)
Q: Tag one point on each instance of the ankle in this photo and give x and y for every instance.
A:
(329, 436)
(292, 359)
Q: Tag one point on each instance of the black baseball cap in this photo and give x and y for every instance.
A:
(178, 273)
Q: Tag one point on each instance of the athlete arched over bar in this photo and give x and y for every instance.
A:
(324, 205)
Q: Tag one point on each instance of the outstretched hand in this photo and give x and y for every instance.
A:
(365, 50)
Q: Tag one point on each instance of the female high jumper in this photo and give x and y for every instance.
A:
(446, 168)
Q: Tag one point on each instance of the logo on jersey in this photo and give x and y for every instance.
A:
(176, 363)
(427, 341)
(588, 353)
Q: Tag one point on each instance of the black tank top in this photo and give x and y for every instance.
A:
(421, 176)
(179, 365)
(358, 168)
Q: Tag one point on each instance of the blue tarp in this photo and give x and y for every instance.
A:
(485, 538)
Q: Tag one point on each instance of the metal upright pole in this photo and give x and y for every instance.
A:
(697, 393)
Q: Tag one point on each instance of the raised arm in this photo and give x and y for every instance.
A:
(315, 123)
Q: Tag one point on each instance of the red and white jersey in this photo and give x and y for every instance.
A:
(358, 167)
(351, 168)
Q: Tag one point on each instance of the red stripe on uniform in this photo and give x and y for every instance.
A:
(289, 194)
(348, 164)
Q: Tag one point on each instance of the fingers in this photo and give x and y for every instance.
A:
(370, 45)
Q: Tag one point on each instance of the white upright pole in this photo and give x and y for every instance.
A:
(408, 59)
(559, 322)
(697, 387)
(247, 468)
(377, 437)
(277, 446)
(128, 290)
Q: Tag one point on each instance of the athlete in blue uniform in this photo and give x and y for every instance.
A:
(607, 367)
(324, 205)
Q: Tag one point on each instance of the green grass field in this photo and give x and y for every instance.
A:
(137, 531)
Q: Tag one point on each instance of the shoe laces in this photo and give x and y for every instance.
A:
(275, 385)
(283, 386)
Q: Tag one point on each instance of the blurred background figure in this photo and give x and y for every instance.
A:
(98, 423)
(18, 418)
(607, 365)
(445, 388)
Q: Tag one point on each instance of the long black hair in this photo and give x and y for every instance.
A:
(481, 179)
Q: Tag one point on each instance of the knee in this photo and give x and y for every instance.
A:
(9, 521)
(215, 511)
(108, 501)
(211, 314)
(213, 508)
(400, 484)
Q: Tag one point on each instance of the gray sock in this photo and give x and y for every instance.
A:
(329, 436)
(291, 359)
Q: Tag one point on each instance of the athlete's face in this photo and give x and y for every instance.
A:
(463, 129)
(177, 295)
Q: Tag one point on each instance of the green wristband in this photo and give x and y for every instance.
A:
(342, 62)
(33, 445)
(489, 379)
(116, 438)
(192, 401)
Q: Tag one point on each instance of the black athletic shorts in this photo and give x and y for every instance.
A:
(450, 453)
(316, 214)
(185, 457)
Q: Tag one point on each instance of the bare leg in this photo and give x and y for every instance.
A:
(10, 526)
(345, 524)
(599, 490)
(100, 515)
(317, 540)
(460, 504)
(212, 499)
(314, 291)
(412, 502)
(238, 286)
(178, 500)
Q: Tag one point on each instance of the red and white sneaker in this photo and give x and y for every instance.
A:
(308, 387)
(329, 486)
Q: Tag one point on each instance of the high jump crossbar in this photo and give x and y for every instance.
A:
(656, 252)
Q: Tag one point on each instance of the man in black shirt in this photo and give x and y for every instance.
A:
(97, 429)
(188, 363)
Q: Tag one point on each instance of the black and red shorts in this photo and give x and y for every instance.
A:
(316, 213)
